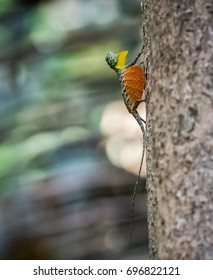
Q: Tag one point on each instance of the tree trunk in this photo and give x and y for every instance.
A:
(180, 130)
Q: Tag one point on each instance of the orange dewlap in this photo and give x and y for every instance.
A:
(134, 82)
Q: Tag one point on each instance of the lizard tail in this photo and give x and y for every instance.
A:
(140, 122)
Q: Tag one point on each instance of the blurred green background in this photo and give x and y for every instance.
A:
(69, 150)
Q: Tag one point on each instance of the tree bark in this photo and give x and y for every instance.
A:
(180, 130)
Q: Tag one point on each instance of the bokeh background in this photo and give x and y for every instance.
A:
(69, 150)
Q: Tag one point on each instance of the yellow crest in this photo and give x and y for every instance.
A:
(121, 59)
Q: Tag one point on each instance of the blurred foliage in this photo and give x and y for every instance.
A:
(54, 88)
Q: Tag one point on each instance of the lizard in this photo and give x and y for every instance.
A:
(133, 84)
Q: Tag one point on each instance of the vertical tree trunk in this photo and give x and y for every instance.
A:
(180, 130)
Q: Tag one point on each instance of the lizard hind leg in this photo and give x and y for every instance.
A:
(136, 106)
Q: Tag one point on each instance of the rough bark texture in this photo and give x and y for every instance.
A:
(180, 130)
(150, 183)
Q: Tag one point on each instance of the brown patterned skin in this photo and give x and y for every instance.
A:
(133, 84)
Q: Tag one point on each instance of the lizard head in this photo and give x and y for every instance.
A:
(116, 61)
